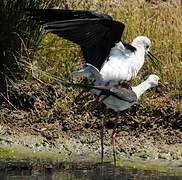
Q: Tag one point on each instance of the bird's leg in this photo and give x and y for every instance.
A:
(80, 96)
(102, 134)
(97, 102)
(114, 138)
(124, 84)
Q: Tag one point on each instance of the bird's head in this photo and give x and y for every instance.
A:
(145, 43)
(142, 41)
(153, 80)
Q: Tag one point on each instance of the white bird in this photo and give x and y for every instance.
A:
(99, 37)
(130, 96)
(122, 64)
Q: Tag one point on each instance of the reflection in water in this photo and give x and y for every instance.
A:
(40, 169)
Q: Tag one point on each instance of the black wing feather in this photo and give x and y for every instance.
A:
(96, 33)
(50, 15)
(126, 94)
(118, 92)
(71, 30)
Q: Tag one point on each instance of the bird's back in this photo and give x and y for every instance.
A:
(117, 104)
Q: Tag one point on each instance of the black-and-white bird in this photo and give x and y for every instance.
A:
(99, 37)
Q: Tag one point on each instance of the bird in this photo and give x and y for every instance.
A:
(118, 98)
(99, 37)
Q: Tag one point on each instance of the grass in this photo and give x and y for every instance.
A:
(16, 34)
(19, 37)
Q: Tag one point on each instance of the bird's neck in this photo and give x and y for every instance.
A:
(140, 56)
(141, 88)
(140, 48)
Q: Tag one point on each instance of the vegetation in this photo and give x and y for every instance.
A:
(19, 37)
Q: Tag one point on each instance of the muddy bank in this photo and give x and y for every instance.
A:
(42, 118)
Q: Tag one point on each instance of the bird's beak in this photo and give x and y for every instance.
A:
(160, 87)
(160, 83)
(155, 62)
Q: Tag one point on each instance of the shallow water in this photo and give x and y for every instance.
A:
(38, 169)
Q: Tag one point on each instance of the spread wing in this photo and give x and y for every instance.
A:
(96, 33)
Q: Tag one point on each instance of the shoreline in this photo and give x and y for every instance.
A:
(69, 149)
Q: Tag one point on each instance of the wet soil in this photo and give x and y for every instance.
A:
(43, 117)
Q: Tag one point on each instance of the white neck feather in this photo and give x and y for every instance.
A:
(140, 54)
(141, 88)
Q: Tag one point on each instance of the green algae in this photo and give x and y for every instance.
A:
(6, 153)
(158, 166)
(18, 154)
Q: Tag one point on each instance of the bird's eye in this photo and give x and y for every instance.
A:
(147, 46)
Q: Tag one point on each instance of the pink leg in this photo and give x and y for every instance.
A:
(114, 139)
(81, 96)
(102, 135)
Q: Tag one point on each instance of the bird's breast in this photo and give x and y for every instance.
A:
(115, 70)
(121, 65)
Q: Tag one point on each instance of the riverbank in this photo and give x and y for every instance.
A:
(81, 146)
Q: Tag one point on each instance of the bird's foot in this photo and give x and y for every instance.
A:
(80, 97)
(125, 85)
(94, 104)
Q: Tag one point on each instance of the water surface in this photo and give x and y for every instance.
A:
(39, 169)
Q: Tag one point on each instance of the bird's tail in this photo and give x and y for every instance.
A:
(88, 71)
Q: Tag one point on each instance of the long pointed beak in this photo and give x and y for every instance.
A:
(160, 83)
(155, 62)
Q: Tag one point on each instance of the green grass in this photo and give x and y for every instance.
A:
(19, 37)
